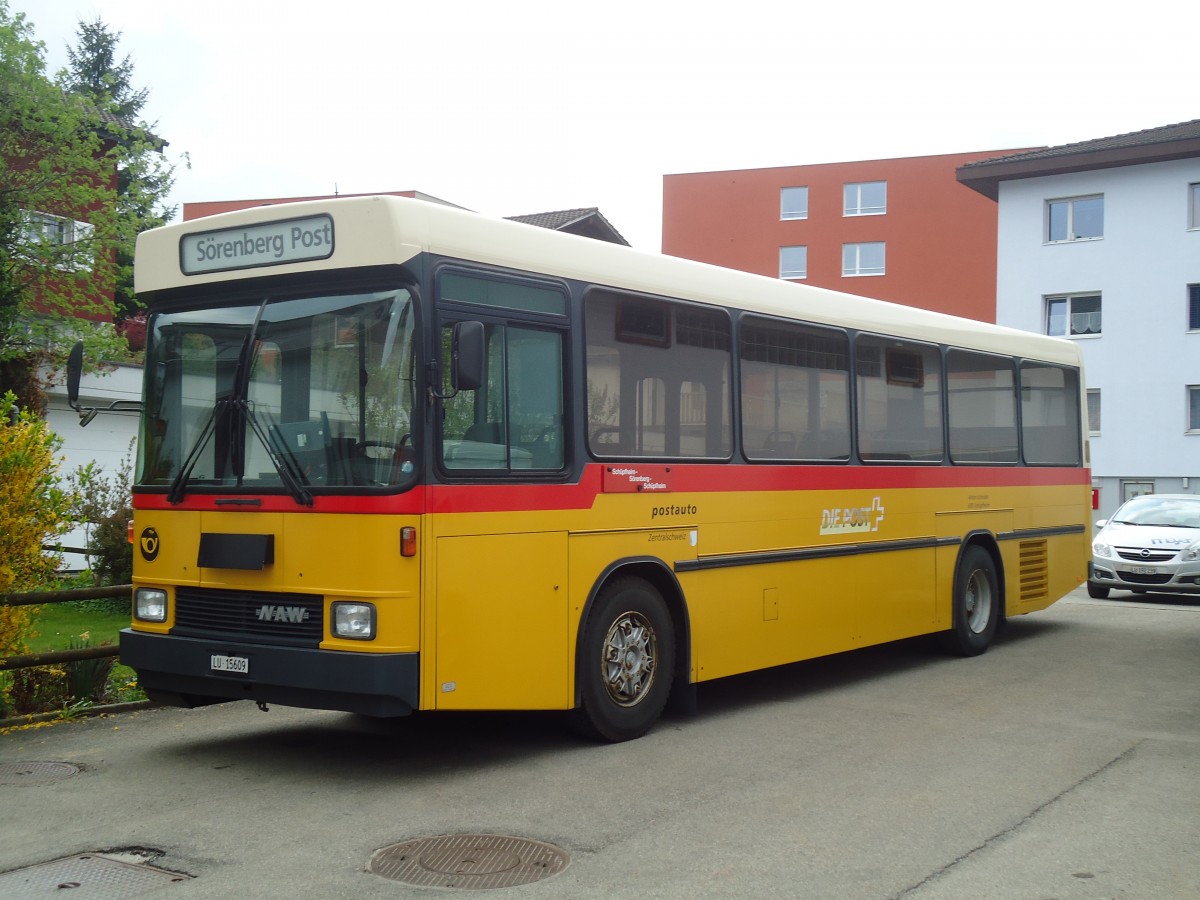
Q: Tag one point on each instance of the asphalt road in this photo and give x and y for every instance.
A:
(1064, 763)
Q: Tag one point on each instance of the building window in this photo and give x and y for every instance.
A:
(793, 262)
(866, 198)
(1075, 219)
(1193, 307)
(1194, 206)
(863, 259)
(1093, 410)
(793, 203)
(59, 241)
(1193, 424)
(1073, 316)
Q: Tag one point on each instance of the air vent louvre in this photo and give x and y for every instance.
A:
(1035, 570)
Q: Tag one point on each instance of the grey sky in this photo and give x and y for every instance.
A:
(520, 107)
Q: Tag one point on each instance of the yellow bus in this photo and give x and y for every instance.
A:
(395, 456)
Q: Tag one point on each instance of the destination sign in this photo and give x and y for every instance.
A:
(248, 246)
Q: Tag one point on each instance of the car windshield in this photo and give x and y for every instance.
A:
(304, 395)
(1175, 512)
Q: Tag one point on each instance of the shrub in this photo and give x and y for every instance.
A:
(38, 689)
(34, 508)
(87, 679)
(33, 512)
(104, 504)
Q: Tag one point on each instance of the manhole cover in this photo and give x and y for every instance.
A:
(96, 877)
(476, 862)
(35, 772)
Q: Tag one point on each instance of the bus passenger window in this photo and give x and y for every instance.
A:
(658, 378)
(795, 391)
(1050, 414)
(899, 400)
(980, 390)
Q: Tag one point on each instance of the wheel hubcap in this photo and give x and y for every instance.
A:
(978, 601)
(630, 659)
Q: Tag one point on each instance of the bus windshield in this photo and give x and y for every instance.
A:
(303, 395)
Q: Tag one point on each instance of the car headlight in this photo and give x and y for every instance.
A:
(1101, 549)
(150, 605)
(1192, 552)
(355, 621)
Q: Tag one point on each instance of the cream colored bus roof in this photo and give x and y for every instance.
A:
(370, 231)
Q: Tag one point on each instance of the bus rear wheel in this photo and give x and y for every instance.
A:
(977, 602)
(627, 659)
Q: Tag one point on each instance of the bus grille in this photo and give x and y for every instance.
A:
(293, 620)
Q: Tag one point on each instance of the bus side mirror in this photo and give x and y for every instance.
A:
(74, 371)
(467, 356)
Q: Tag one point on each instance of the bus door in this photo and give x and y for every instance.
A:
(501, 600)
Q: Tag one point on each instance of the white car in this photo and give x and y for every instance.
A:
(1152, 543)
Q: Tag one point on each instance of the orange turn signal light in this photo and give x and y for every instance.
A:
(408, 541)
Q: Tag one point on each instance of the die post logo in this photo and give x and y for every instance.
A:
(148, 541)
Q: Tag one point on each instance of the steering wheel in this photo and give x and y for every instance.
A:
(396, 448)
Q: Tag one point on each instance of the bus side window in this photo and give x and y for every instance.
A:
(899, 400)
(658, 378)
(795, 391)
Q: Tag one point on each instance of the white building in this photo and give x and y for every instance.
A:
(108, 438)
(1099, 241)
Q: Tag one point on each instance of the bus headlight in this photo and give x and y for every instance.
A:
(150, 605)
(355, 621)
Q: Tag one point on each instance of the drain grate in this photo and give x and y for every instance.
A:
(469, 861)
(35, 772)
(99, 878)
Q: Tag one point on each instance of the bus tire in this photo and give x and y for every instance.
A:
(627, 659)
(977, 602)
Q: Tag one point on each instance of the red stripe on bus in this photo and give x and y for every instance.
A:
(681, 479)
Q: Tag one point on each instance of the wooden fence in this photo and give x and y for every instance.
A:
(50, 657)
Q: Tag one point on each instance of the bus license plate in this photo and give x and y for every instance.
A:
(238, 664)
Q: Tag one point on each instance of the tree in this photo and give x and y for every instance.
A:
(144, 178)
(58, 218)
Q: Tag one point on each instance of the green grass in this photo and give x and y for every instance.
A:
(58, 623)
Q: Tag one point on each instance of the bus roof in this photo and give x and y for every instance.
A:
(383, 230)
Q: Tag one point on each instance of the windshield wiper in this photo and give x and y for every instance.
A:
(291, 480)
(179, 484)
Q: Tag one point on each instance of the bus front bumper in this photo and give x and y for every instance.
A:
(179, 671)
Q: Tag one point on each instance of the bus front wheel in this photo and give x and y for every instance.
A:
(977, 602)
(627, 658)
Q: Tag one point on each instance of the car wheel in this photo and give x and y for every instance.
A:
(1096, 592)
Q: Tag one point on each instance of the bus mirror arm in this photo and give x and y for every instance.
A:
(87, 413)
(467, 358)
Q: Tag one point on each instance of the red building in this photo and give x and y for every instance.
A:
(903, 230)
